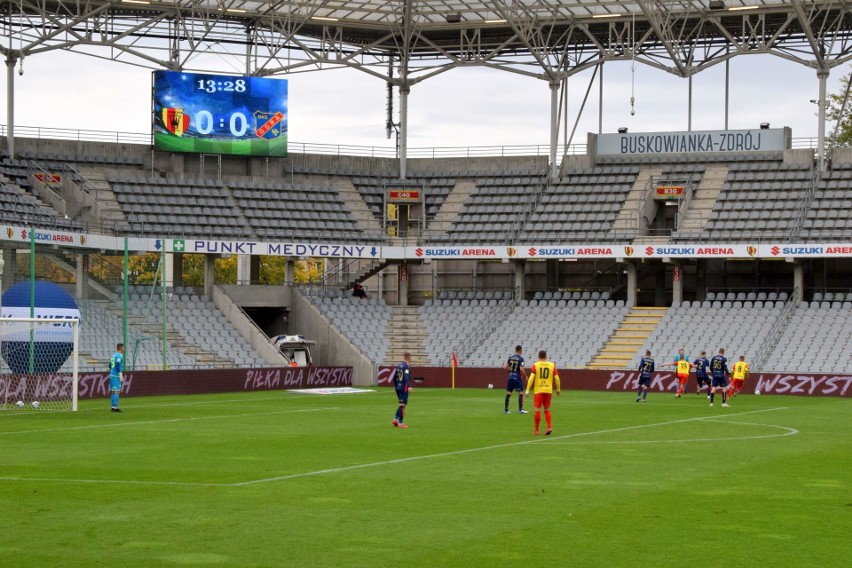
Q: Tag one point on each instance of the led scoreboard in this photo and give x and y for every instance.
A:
(219, 114)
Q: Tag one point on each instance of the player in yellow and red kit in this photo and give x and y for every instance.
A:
(681, 362)
(739, 376)
(543, 377)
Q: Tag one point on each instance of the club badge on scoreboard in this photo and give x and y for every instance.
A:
(268, 124)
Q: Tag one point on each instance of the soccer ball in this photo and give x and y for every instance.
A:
(756, 391)
(20, 404)
(490, 386)
(35, 404)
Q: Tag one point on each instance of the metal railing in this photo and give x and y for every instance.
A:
(684, 201)
(487, 327)
(804, 205)
(146, 138)
(776, 330)
(529, 208)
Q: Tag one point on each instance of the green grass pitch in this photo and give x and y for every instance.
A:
(283, 479)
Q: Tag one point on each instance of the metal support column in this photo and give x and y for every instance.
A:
(403, 130)
(689, 107)
(727, 89)
(600, 100)
(554, 128)
(10, 105)
(822, 75)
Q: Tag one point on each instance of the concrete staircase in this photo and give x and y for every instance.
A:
(453, 204)
(706, 194)
(109, 211)
(405, 332)
(631, 334)
(628, 217)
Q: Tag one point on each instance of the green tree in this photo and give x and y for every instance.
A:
(842, 130)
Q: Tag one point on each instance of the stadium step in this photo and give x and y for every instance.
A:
(628, 216)
(405, 333)
(448, 213)
(627, 340)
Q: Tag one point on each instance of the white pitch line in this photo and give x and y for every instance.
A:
(485, 448)
(165, 421)
(381, 463)
(788, 432)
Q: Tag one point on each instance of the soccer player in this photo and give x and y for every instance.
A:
(719, 369)
(681, 362)
(402, 385)
(701, 366)
(116, 375)
(515, 366)
(740, 375)
(646, 367)
(544, 376)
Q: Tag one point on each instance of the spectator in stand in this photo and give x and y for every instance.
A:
(358, 291)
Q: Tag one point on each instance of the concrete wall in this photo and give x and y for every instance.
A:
(258, 296)
(333, 348)
(247, 328)
(803, 156)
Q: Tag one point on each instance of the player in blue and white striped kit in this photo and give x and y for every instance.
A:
(116, 375)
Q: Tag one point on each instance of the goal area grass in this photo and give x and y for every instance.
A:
(270, 479)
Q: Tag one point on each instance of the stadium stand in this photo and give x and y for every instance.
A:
(23, 210)
(98, 337)
(574, 329)
(363, 322)
(187, 207)
(758, 200)
(283, 210)
(199, 328)
(737, 322)
(830, 213)
(582, 205)
(477, 309)
(435, 190)
(818, 338)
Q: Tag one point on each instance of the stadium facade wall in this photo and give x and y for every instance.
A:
(252, 334)
(626, 381)
(333, 348)
(154, 383)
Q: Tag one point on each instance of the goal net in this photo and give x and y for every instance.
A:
(39, 362)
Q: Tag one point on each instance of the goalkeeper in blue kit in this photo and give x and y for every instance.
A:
(116, 375)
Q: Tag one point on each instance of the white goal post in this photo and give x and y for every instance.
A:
(39, 363)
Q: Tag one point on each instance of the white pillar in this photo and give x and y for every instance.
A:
(170, 269)
(404, 278)
(80, 286)
(243, 269)
(10, 105)
(290, 272)
(631, 283)
(822, 75)
(403, 130)
(554, 128)
(209, 275)
(799, 279)
(689, 107)
(677, 285)
(520, 278)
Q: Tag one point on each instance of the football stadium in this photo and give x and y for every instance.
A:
(221, 347)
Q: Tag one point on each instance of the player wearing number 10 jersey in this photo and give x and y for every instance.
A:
(543, 376)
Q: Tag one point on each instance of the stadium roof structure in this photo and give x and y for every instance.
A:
(405, 42)
(544, 38)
